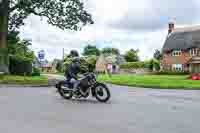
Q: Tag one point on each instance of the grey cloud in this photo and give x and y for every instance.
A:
(158, 14)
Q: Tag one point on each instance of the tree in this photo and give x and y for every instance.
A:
(154, 65)
(157, 55)
(109, 51)
(20, 55)
(19, 48)
(91, 50)
(65, 14)
(59, 66)
(131, 55)
(91, 61)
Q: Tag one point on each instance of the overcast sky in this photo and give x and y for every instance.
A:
(124, 24)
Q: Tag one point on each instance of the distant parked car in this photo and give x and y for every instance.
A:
(195, 77)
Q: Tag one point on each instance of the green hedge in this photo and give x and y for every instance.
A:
(20, 66)
(36, 71)
(24, 80)
(130, 65)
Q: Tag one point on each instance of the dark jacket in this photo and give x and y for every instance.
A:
(72, 71)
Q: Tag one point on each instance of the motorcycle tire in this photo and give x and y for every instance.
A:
(64, 92)
(98, 93)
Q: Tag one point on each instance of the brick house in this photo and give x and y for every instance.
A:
(181, 50)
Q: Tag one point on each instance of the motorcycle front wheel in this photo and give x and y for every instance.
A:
(102, 92)
(66, 94)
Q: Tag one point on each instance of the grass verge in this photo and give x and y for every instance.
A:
(23, 80)
(152, 81)
(57, 73)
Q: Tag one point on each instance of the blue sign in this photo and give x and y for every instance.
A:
(41, 54)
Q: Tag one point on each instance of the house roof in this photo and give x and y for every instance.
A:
(183, 38)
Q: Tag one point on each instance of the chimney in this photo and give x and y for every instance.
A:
(171, 27)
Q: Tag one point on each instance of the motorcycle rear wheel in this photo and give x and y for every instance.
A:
(66, 94)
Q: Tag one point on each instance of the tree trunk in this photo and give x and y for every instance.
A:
(4, 5)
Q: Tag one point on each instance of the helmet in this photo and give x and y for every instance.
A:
(76, 60)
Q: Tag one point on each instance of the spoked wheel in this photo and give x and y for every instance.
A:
(66, 94)
(102, 92)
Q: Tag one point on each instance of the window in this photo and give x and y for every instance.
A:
(177, 67)
(193, 52)
(176, 53)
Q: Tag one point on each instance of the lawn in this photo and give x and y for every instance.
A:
(21, 80)
(152, 81)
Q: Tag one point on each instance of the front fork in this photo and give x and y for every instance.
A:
(93, 89)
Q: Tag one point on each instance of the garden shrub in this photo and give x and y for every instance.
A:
(156, 65)
(151, 64)
(36, 71)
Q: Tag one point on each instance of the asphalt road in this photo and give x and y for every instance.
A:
(131, 110)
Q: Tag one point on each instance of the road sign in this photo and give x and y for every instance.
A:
(41, 54)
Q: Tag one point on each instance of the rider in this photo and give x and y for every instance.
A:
(72, 72)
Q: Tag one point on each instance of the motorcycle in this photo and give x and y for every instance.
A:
(88, 85)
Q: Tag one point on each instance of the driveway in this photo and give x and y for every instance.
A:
(131, 110)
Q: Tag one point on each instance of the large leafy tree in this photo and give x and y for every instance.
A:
(91, 61)
(91, 50)
(108, 51)
(19, 48)
(65, 14)
(59, 66)
(131, 55)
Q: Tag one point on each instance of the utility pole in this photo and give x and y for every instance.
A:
(63, 54)
(63, 59)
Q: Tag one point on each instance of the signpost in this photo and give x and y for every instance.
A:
(41, 56)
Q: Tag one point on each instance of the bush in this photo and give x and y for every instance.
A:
(156, 65)
(151, 65)
(36, 71)
(130, 65)
(171, 73)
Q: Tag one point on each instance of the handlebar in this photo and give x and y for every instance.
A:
(90, 73)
